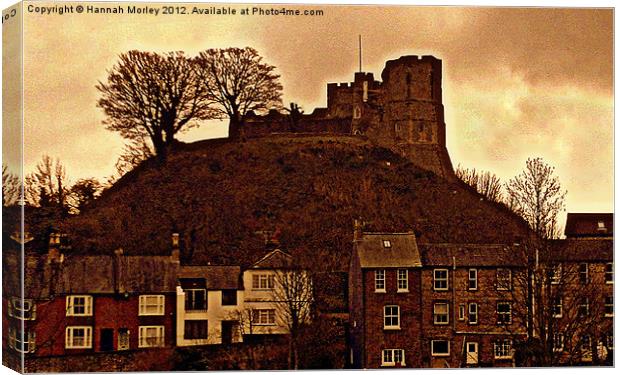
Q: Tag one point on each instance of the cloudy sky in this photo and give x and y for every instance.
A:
(517, 82)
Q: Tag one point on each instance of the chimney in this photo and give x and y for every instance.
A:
(175, 254)
(357, 230)
(54, 255)
(117, 264)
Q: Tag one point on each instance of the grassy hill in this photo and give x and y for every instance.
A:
(219, 194)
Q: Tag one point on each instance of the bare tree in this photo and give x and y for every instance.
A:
(238, 81)
(11, 187)
(293, 296)
(485, 182)
(83, 193)
(47, 185)
(153, 96)
(537, 196)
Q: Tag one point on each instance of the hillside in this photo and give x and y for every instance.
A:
(218, 194)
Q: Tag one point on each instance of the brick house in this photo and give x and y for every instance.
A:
(385, 299)
(80, 304)
(469, 317)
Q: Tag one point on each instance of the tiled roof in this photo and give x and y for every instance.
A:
(582, 250)
(402, 252)
(587, 225)
(475, 255)
(274, 259)
(217, 277)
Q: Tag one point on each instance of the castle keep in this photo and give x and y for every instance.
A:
(403, 112)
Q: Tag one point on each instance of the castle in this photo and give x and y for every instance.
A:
(403, 112)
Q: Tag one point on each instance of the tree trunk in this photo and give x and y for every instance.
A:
(235, 127)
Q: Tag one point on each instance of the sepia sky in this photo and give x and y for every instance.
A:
(517, 83)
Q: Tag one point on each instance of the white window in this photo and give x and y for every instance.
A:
(22, 343)
(473, 313)
(440, 313)
(472, 283)
(123, 339)
(609, 273)
(440, 348)
(391, 317)
(556, 274)
(601, 226)
(151, 336)
(79, 305)
(79, 337)
(387, 244)
(392, 357)
(262, 281)
(609, 306)
(503, 349)
(440, 279)
(504, 313)
(609, 341)
(556, 308)
(403, 281)
(558, 342)
(24, 309)
(504, 279)
(461, 312)
(380, 281)
(584, 307)
(583, 273)
(264, 317)
(151, 305)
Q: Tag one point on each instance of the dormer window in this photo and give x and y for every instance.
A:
(22, 309)
(387, 244)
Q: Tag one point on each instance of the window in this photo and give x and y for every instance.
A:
(461, 312)
(387, 244)
(601, 226)
(79, 306)
(403, 280)
(584, 307)
(196, 329)
(151, 305)
(229, 297)
(195, 299)
(23, 343)
(79, 337)
(151, 336)
(609, 273)
(264, 317)
(586, 344)
(556, 308)
(504, 313)
(123, 339)
(392, 357)
(440, 279)
(24, 309)
(391, 317)
(262, 281)
(583, 273)
(609, 306)
(609, 341)
(440, 313)
(503, 349)
(556, 273)
(380, 281)
(473, 313)
(473, 279)
(558, 342)
(504, 279)
(440, 348)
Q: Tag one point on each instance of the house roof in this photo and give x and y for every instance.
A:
(466, 255)
(588, 225)
(274, 259)
(582, 250)
(217, 277)
(402, 252)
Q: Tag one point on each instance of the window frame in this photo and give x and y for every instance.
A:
(437, 279)
(462, 311)
(387, 244)
(609, 273)
(558, 338)
(499, 280)
(29, 339)
(440, 354)
(404, 280)
(192, 321)
(474, 313)
(142, 304)
(503, 348)
(555, 305)
(392, 355)
(503, 314)
(609, 305)
(584, 275)
(193, 292)
(70, 336)
(556, 274)
(471, 279)
(123, 343)
(88, 305)
(584, 303)
(16, 304)
(446, 314)
(230, 293)
(263, 281)
(143, 341)
(380, 281)
(258, 314)
(391, 316)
